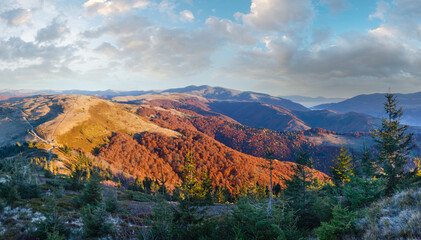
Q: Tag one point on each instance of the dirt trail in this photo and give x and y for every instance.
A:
(50, 155)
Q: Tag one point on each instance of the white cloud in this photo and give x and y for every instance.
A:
(278, 15)
(382, 32)
(359, 59)
(111, 7)
(16, 16)
(55, 30)
(381, 10)
(186, 16)
(234, 32)
(156, 50)
(108, 50)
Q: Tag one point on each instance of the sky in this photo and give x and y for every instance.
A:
(330, 48)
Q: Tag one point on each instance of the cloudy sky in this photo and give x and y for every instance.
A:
(332, 48)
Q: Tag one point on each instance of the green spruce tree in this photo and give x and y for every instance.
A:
(270, 158)
(92, 193)
(393, 144)
(367, 163)
(342, 167)
(300, 181)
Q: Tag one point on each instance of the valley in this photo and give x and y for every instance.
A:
(142, 145)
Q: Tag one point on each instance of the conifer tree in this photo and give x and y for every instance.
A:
(195, 190)
(367, 163)
(189, 183)
(298, 191)
(342, 167)
(270, 157)
(219, 195)
(206, 187)
(393, 144)
(92, 193)
(297, 186)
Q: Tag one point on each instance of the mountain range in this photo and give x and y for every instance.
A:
(312, 101)
(143, 134)
(372, 104)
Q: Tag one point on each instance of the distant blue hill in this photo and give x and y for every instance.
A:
(372, 104)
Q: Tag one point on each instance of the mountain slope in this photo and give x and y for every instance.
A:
(224, 94)
(372, 104)
(151, 155)
(132, 146)
(258, 114)
(78, 121)
(321, 144)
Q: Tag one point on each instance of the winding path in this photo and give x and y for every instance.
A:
(50, 155)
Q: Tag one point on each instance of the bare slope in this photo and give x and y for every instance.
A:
(80, 121)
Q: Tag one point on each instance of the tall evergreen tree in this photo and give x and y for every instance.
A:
(300, 181)
(193, 189)
(189, 184)
(367, 166)
(342, 167)
(270, 157)
(298, 191)
(92, 193)
(393, 144)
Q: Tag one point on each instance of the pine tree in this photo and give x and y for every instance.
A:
(297, 186)
(270, 157)
(92, 193)
(206, 187)
(367, 163)
(298, 192)
(219, 195)
(393, 144)
(342, 167)
(189, 184)
(195, 190)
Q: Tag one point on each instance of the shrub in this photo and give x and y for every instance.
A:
(95, 224)
(359, 192)
(4, 190)
(52, 227)
(2, 206)
(28, 190)
(13, 195)
(251, 221)
(342, 223)
(111, 204)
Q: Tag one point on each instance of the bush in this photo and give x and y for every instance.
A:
(162, 222)
(111, 204)
(94, 222)
(52, 228)
(13, 195)
(359, 192)
(28, 190)
(2, 205)
(4, 190)
(342, 223)
(251, 221)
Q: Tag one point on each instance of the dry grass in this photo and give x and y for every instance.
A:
(396, 217)
(78, 121)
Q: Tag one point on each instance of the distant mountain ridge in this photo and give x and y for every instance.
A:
(225, 94)
(372, 104)
(312, 101)
(216, 93)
